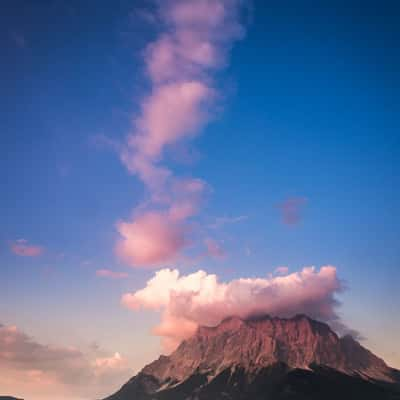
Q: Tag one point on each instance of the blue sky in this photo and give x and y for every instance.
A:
(309, 110)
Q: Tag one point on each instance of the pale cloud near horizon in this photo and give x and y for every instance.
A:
(187, 301)
(31, 369)
(180, 65)
(21, 247)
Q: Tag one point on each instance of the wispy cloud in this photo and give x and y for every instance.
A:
(291, 210)
(187, 301)
(222, 221)
(214, 249)
(282, 270)
(194, 42)
(107, 273)
(21, 247)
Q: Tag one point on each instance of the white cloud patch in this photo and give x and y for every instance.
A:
(187, 301)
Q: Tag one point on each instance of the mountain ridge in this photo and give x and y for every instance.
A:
(260, 354)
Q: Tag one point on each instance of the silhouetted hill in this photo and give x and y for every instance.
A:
(9, 398)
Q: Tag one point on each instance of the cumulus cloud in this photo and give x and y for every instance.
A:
(21, 247)
(291, 210)
(42, 370)
(187, 301)
(194, 42)
(107, 273)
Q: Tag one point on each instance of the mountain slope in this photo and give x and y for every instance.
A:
(276, 358)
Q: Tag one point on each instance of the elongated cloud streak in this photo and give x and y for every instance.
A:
(21, 247)
(107, 273)
(187, 301)
(180, 63)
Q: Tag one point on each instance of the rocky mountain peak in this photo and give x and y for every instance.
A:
(255, 345)
(258, 342)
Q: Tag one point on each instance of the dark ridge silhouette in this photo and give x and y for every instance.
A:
(9, 398)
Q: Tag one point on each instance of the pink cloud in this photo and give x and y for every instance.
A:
(21, 247)
(198, 39)
(172, 112)
(214, 249)
(150, 239)
(187, 301)
(202, 13)
(184, 197)
(180, 64)
(291, 210)
(106, 273)
(42, 371)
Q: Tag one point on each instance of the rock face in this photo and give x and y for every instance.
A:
(264, 358)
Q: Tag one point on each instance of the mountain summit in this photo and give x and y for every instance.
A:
(265, 358)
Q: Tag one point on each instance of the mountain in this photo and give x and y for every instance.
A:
(265, 358)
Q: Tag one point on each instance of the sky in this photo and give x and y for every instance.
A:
(167, 164)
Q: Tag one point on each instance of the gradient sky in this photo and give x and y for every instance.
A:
(300, 158)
